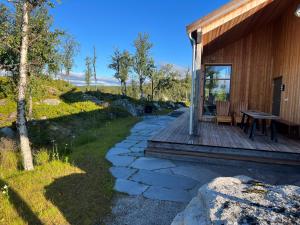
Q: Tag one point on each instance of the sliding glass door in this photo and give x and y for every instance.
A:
(216, 86)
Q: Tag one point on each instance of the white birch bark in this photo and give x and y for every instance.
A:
(21, 117)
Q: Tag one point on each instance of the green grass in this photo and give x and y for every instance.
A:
(77, 192)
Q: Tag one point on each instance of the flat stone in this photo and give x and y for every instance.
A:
(124, 144)
(137, 149)
(163, 180)
(129, 187)
(122, 172)
(142, 144)
(165, 171)
(137, 138)
(134, 154)
(117, 151)
(152, 164)
(118, 160)
(196, 173)
(165, 194)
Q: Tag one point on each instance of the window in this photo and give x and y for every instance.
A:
(216, 86)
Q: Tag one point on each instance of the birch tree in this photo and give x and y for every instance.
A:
(94, 67)
(88, 72)
(25, 47)
(70, 49)
(142, 59)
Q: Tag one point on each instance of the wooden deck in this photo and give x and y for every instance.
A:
(222, 141)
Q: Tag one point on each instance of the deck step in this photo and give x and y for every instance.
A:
(195, 152)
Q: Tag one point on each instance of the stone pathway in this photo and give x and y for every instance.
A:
(150, 177)
(172, 180)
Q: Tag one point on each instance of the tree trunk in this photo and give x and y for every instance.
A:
(152, 89)
(125, 88)
(141, 89)
(21, 117)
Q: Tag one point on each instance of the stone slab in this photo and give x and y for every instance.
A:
(163, 180)
(118, 160)
(117, 151)
(152, 164)
(165, 194)
(129, 187)
(122, 172)
(197, 173)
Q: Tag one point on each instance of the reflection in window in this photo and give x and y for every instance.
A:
(217, 86)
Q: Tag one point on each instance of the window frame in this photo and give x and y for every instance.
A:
(226, 79)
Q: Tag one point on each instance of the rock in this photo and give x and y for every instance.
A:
(95, 100)
(134, 110)
(157, 106)
(7, 132)
(53, 102)
(2, 102)
(242, 200)
(52, 90)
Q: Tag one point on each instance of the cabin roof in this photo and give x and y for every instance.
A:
(235, 20)
(227, 12)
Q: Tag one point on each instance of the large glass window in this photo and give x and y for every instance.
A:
(216, 87)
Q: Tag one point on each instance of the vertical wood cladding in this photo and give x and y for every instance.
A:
(266, 53)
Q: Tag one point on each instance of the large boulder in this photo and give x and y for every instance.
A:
(133, 109)
(51, 101)
(242, 200)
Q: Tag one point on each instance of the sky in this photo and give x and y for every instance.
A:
(110, 24)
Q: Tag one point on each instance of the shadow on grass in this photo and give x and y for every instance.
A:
(21, 207)
(83, 139)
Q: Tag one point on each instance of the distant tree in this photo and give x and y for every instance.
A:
(141, 59)
(152, 75)
(121, 63)
(94, 67)
(125, 68)
(88, 71)
(116, 64)
(69, 49)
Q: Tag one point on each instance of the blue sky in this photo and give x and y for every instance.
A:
(108, 24)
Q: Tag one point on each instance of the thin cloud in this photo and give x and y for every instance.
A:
(77, 79)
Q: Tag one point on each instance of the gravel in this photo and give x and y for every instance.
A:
(131, 210)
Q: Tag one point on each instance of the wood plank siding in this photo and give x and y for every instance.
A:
(268, 50)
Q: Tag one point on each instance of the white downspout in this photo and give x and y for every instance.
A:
(192, 107)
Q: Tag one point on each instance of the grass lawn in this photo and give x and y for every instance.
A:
(75, 190)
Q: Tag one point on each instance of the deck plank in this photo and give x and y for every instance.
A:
(211, 134)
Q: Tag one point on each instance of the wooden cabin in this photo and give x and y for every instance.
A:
(249, 51)
(245, 53)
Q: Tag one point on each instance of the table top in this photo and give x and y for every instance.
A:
(260, 115)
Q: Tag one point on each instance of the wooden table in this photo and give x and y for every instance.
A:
(256, 116)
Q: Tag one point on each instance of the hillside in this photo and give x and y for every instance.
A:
(70, 132)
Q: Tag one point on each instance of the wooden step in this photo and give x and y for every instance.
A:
(194, 152)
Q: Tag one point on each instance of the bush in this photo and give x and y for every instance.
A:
(41, 157)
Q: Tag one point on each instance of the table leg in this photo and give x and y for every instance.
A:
(253, 129)
(247, 125)
(273, 132)
(243, 121)
(264, 127)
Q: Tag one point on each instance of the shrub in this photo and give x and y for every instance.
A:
(41, 157)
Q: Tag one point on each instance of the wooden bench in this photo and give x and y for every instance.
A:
(293, 128)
